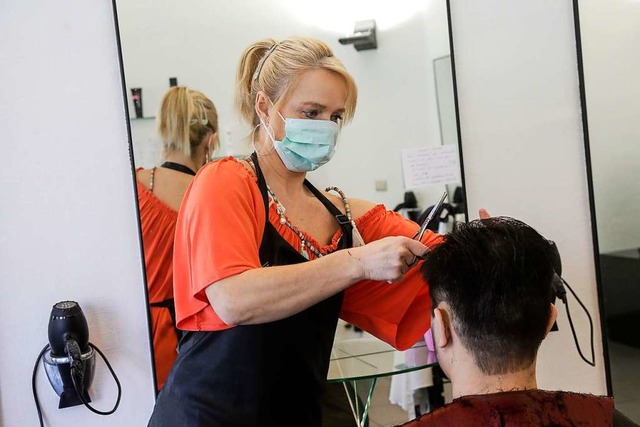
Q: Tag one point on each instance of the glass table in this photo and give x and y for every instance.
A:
(368, 358)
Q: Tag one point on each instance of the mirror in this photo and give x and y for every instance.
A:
(405, 85)
(609, 35)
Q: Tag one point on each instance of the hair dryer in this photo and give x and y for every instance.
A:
(70, 361)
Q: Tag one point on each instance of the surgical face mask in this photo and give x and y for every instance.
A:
(307, 144)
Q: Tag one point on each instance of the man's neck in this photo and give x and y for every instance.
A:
(473, 381)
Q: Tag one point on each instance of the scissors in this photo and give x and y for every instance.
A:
(418, 235)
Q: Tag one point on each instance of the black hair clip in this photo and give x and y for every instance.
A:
(262, 61)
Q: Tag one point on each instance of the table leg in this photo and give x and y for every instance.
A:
(365, 414)
(354, 410)
(354, 402)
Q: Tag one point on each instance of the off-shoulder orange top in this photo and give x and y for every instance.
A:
(218, 235)
(158, 223)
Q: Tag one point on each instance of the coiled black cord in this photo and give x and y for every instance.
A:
(33, 383)
(77, 376)
(563, 297)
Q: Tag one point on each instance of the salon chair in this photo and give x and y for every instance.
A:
(409, 208)
(446, 211)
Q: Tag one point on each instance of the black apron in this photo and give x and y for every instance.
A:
(271, 374)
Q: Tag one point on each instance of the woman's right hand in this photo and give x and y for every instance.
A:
(387, 259)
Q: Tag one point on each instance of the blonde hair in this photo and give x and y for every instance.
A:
(275, 68)
(186, 117)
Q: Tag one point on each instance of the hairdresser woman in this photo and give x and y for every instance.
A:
(265, 263)
(188, 126)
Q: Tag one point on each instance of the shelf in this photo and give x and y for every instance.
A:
(142, 118)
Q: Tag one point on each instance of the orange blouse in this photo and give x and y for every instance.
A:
(158, 223)
(218, 235)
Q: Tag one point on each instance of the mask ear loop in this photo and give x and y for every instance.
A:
(266, 129)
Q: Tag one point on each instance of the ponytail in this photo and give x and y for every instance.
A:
(186, 117)
(248, 77)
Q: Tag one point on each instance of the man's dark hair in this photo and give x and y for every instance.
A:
(496, 276)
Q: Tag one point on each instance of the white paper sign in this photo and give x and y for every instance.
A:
(430, 165)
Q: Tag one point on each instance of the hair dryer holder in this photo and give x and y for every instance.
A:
(58, 371)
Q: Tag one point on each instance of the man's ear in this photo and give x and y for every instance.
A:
(440, 328)
(262, 106)
(553, 314)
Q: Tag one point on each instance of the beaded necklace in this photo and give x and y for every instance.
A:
(347, 208)
(357, 239)
(304, 243)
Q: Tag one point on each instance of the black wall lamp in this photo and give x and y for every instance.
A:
(363, 37)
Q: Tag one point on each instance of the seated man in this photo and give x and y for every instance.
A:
(491, 292)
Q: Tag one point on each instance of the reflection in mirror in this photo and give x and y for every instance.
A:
(446, 106)
(443, 75)
(188, 127)
(610, 34)
(405, 94)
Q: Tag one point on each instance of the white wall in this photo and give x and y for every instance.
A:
(200, 43)
(68, 226)
(610, 40)
(524, 153)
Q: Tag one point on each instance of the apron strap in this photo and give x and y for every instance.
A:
(170, 305)
(178, 168)
(262, 185)
(343, 221)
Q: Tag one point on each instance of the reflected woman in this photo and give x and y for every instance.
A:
(265, 263)
(188, 126)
